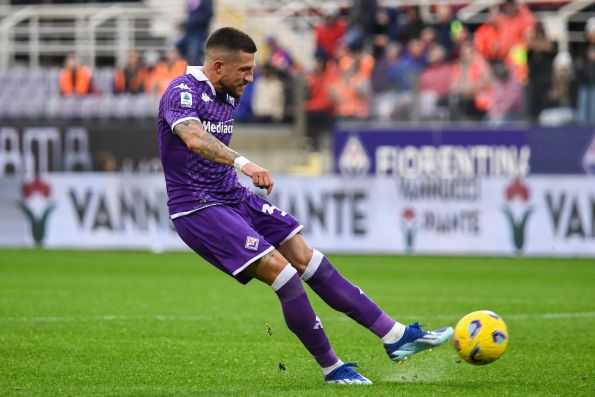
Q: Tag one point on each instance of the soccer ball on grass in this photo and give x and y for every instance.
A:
(480, 337)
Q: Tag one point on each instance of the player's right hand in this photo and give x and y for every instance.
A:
(260, 177)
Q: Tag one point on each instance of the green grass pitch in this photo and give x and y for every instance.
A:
(76, 323)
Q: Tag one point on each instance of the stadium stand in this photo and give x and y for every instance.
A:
(37, 35)
(35, 94)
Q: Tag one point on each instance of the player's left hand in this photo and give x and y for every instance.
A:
(260, 177)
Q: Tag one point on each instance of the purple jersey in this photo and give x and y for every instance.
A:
(192, 181)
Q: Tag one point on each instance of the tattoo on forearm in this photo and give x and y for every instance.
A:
(211, 148)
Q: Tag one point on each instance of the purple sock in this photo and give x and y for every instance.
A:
(345, 297)
(300, 317)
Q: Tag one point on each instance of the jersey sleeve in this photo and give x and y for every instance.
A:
(179, 105)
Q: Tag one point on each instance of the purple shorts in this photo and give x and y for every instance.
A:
(232, 236)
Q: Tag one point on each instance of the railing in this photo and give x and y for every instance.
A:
(27, 34)
(89, 31)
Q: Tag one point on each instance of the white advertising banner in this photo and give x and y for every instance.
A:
(95, 210)
(535, 216)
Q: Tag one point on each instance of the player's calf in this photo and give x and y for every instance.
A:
(340, 294)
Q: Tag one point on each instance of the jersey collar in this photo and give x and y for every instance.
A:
(198, 74)
(196, 71)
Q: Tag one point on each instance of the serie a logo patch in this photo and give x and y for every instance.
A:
(251, 243)
(186, 99)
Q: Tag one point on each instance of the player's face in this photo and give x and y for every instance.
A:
(238, 71)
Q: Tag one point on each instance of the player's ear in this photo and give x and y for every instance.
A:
(218, 66)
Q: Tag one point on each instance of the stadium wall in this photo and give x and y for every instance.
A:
(38, 146)
(30, 146)
(533, 216)
(463, 151)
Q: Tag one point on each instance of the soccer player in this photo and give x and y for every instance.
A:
(244, 235)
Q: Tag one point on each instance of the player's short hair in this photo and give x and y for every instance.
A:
(231, 39)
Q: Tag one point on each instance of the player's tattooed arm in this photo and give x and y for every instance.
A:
(203, 143)
(206, 145)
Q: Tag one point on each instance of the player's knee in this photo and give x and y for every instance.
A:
(300, 263)
(268, 267)
(298, 253)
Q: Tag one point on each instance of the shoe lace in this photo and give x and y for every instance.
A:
(352, 373)
(417, 330)
(416, 325)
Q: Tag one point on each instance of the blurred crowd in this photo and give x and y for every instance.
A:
(391, 64)
(398, 66)
(140, 75)
(150, 73)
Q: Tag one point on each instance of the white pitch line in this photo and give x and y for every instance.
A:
(552, 316)
(523, 316)
(517, 316)
(104, 318)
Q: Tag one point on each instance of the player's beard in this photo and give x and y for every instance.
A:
(234, 91)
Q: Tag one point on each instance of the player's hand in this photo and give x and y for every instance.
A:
(260, 177)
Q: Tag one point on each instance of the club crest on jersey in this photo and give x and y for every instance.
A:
(206, 98)
(251, 243)
(186, 99)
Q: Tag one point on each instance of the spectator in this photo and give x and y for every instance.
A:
(540, 58)
(562, 94)
(515, 24)
(405, 75)
(434, 84)
(133, 77)
(387, 25)
(408, 68)
(279, 57)
(351, 91)
(75, 79)
(331, 30)
(268, 101)
(151, 59)
(507, 100)
(384, 68)
(447, 27)
(412, 27)
(319, 105)
(244, 111)
(428, 39)
(284, 67)
(196, 30)
(487, 39)
(470, 85)
(361, 23)
(167, 70)
(383, 83)
(463, 35)
(563, 90)
(585, 76)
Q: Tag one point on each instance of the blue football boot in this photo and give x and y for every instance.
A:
(415, 340)
(346, 375)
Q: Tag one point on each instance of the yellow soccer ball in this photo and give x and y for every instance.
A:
(481, 337)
